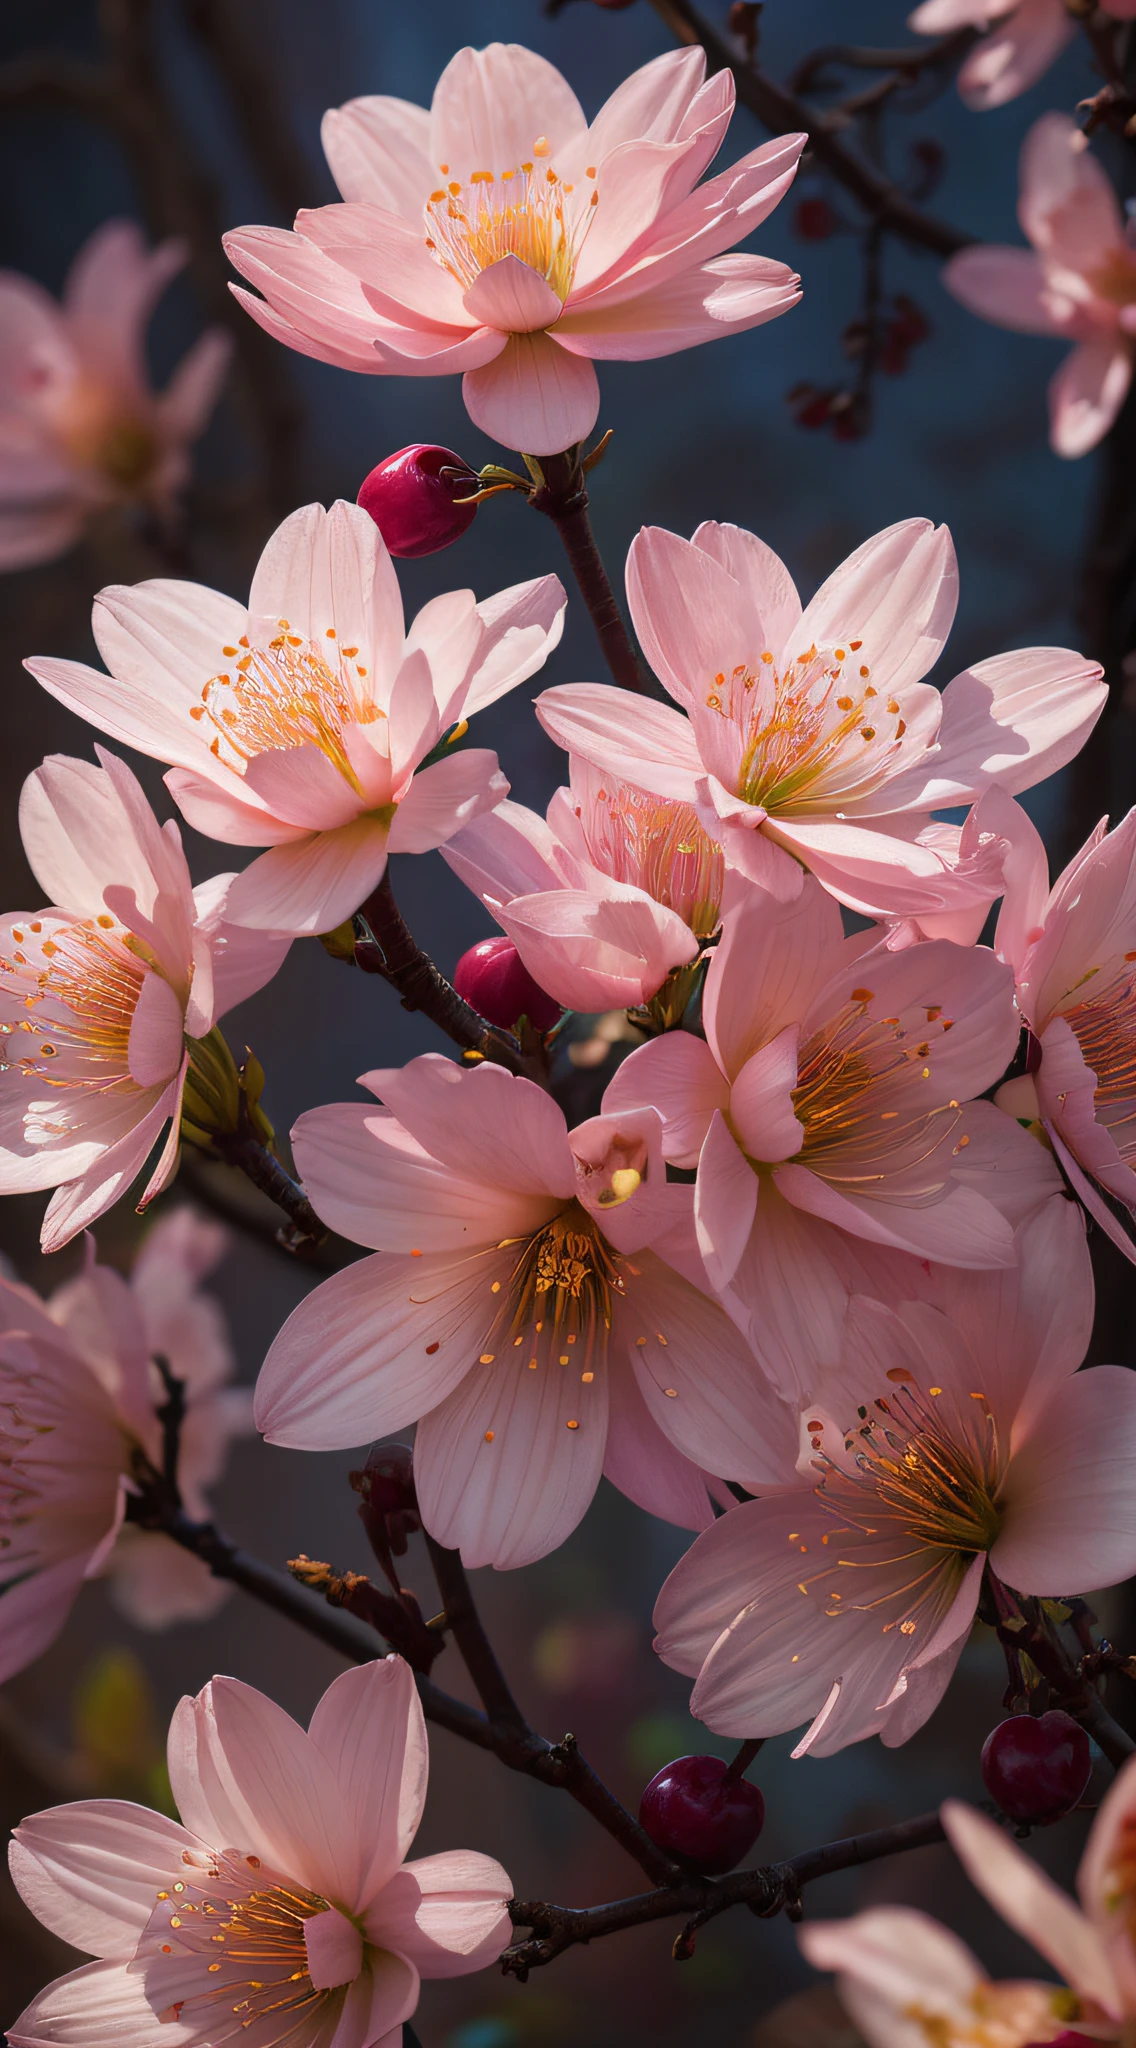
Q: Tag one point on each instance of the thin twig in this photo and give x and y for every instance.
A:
(773, 1889)
(1021, 1628)
(388, 947)
(909, 62)
(785, 113)
(563, 496)
(246, 1152)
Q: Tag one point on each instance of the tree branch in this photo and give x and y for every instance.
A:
(252, 1158)
(1021, 1627)
(784, 112)
(562, 495)
(773, 1889)
(387, 946)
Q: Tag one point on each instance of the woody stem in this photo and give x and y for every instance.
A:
(563, 496)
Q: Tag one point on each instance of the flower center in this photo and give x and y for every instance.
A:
(287, 695)
(843, 1073)
(914, 1497)
(526, 211)
(1000, 2016)
(80, 985)
(559, 1293)
(97, 432)
(1114, 279)
(815, 730)
(659, 847)
(243, 1942)
(1104, 1025)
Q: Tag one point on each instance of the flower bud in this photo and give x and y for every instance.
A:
(1036, 1769)
(494, 979)
(412, 499)
(694, 1810)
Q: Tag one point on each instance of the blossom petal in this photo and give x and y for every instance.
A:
(533, 395)
(727, 296)
(487, 103)
(102, 2002)
(446, 1913)
(1032, 1903)
(507, 1465)
(897, 593)
(1014, 54)
(725, 1202)
(487, 1124)
(644, 1463)
(311, 884)
(369, 1727)
(1006, 285)
(761, 1100)
(89, 1871)
(331, 570)
(1087, 392)
(378, 152)
(1070, 1522)
(597, 952)
(678, 1075)
(650, 745)
(444, 797)
(768, 965)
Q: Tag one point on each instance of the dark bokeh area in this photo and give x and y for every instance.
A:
(959, 437)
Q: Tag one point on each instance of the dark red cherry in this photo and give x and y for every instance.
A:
(1036, 1767)
(412, 498)
(493, 977)
(690, 1812)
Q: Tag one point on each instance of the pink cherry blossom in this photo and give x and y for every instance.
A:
(806, 739)
(306, 723)
(906, 1981)
(1090, 1945)
(290, 1856)
(81, 428)
(502, 236)
(837, 1081)
(605, 897)
(1025, 37)
(536, 1303)
(1073, 952)
(78, 1397)
(953, 1429)
(1078, 281)
(100, 994)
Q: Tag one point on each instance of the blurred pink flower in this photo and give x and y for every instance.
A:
(290, 1855)
(537, 1306)
(953, 1428)
(837, 1080)
(1073, 952)
(605, 897)
(905, 1980)
(1090, 1945)
(499, 235)
(100, 994)
(306, 723)
(806, 739)
(80, 428)
(1025, 36)
(1078, 281)
(78, 1395)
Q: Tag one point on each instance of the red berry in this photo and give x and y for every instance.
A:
(493, 977)
(688, 1811)
(411, 498)
(814, 220)
(1036, 1768)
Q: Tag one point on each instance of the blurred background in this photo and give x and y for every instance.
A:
(223, 130)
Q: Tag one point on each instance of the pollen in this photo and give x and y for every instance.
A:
(489, 1434)
(289, 694)
(520, 211)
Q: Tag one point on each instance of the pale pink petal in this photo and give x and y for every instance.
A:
(693, 619)
(322, 570)
(1103, 1898)
(1068, 205)
(511, 296)
(311, 303)
(1086, 394)
(1023, 1895)
(80, 1202)
(897, 593)
(962, 1229)
(1090, 918)
(652, 105)
(507, 1465)
(155, 1584)
(241, 961)
(312, 884)
(230, 811)
(534, 396)
(761, 1105)
(650, 745)
(752, 563)
(375, 1184)
(678, 1075)
(725, 1202)
(1026, 874)
(378, 151)
(700, 1381)
(924, 1682)
(443, 798)
(520, 627)
(747, 839)
(1015, 54)
(727, 296)
(370, 1729)
(432, 352)
(89, 2007)
(597, 953)
(155, 1051)
(400, 277)
(644, 1463)
(487, 1124)
(768, 966)
(381, 1999)
(490, 106)
(1006, 285)
(192, 392)
(507, 852)
(35, 1610)
(901, 1955)
(89, 1871)
(445, 1913)
(1013, 719)
(1070, 1522)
